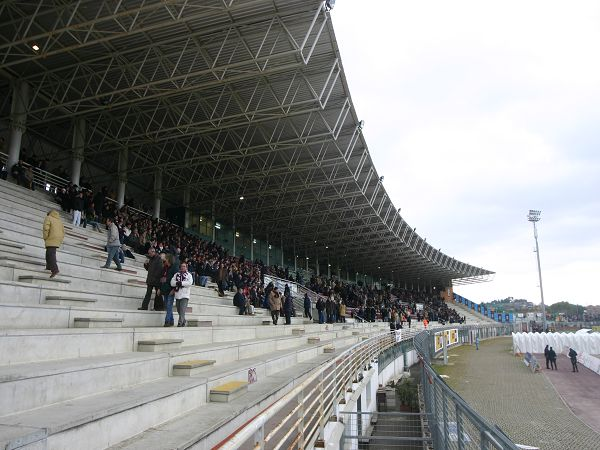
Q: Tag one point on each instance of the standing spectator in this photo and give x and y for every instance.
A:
(221, 279)
(181, 283)
(113, 244)
(477, 342)
(307, 306)
(154, 266)
(169, 271)
(77, 208)
(54, 234)
(546, 356)
(288, 306)
(240, 301)
(321, 309)
(342, 312)
(552, 357)
(275, 304)
(573, 356)
(408, 319)
(99, 200)
(329, 305)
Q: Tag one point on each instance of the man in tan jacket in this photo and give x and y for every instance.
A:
(54, 234)
(275, 304)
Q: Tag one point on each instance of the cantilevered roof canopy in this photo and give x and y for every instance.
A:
(229, 98)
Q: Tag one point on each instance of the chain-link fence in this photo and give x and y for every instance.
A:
(453, 424)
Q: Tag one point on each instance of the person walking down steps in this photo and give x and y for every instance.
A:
(54, 235)
(113, 244)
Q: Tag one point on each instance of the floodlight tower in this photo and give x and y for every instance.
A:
(533, 217)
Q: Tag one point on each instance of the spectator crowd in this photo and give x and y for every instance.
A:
(133, 231)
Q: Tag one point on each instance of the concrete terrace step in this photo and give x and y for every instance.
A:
(37, 278)
(35, 345)
(10, 244)
(20, 384)
(28, 232)
(28, 386)
(96, 422)
(228, 392)
(159, 345)
(150, 403)
(205, 426)
(97, 322)
(189, 368)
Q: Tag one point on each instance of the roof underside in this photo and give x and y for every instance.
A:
(229, 97)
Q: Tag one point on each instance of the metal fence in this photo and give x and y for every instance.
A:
(453, 424)
(384, 430)
(297, 420)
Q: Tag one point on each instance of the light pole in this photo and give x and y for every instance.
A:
(533, 217)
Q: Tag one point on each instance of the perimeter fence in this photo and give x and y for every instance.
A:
(451, 422)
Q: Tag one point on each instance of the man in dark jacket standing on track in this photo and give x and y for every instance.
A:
(154, 266)
(552, 357)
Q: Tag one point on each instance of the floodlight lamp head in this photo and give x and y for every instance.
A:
(361, 124)
(534, 215)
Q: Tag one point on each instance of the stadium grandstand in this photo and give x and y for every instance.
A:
(233, 121)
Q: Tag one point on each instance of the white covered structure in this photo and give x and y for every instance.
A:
(585, 344)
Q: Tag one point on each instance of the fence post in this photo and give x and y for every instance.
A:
(301, 417)
(445, 418)
(259, 438)
(459, 426)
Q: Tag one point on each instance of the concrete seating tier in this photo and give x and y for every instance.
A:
(471, 315)
(63, 386)
(26, 388)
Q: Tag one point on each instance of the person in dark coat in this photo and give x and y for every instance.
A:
(288, 307)
(329, 305)
(154, 266)
(170, 268)
(546, 356)
(240, 301)
(307, 306)
(552, 357)
(321, 309)
(573, 356)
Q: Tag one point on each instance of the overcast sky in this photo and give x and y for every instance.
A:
(476, 112)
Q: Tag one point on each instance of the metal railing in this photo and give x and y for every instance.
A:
(298, 419)
(51, 183)
(453, 424)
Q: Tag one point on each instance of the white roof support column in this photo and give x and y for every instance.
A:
(295, 260)
(252, 241)
(268, 251)
(123, 159)
(186, 204)
(157, 192)
(214, 222)
(78, 149)
(234, 236)
(18, 119)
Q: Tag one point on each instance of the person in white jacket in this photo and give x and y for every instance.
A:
(181, 283)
